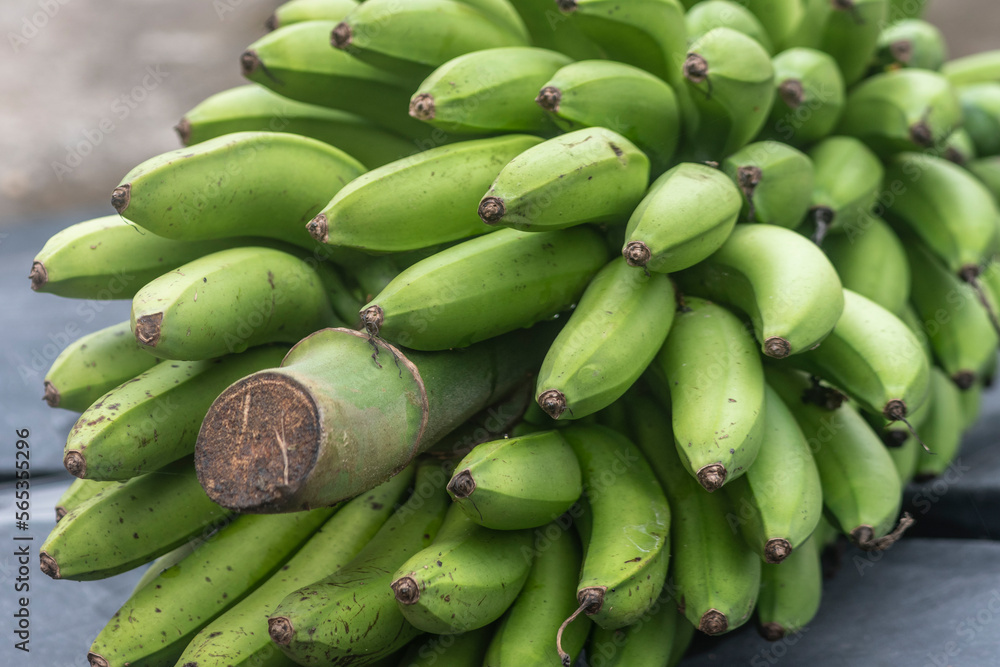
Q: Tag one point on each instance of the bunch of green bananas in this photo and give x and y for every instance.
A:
(501, 331)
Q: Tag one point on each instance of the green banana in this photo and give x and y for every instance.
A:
(872, 262)
(905, 456)
(848, 182)
(982, 67)
(77, 493)
(504, 12)
(413, 38)
(987, 170)
(776, 181)
(465, 579)
(958, 148)
(165, 562)
(981, 116)
(153, 419)
(708, 14)
(92, 365)
(590, 175)
(469, 293)
(873, 357)
(910, 43)
(713, 370)
(846, 29)
(613, 333)
(157, 621)
(730, 80)
(625, 531)
(686, 215)
(488, 91)
(861, 489)
(782, 281)
(421, 200)
(905, 9)
(298, 11)
(231, 300)
(524, 636)
(463, 650)
(253, 108)
(238, 637)
(683, 634)
(780, 18)
(715, 575)
(777, 503)
(809, 96)
(649, 642)
(790, 593)
(903, 110)
(232, 186)
(308, 624)
(972, 403)
(125, 526)
(630, 101)
(517, 482)
(550, 29)
(942, 430)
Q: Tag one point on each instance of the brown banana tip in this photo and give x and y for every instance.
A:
(121, 196)
(777, 347)
(901, 50)
(51, 395)
(552, 402)
(97, 660)
(60, 513)
(845, 5)
(895, 410)
(591, 599)
(38, 276)
(406, 590)
(921, 134)
(319, 228)
(272, 22)
(864, 536)
(637, 254)
(776, 550)
(923, 477)
(75, 463)
(373, 317)
(147, 329)
(183, 130)
(894, 439)
(281, 630)
(969, 272)
(566, 5)
(964, 379)
(792, 93)
(749, 177)
(249, 62)
(772, 632)
(952, 155)
(462, 485)
(712, 476)
(492, 210)
(549, 98)
(695, 68)
(342, 36)
(713, 622)
(48, 565)
(422, 107)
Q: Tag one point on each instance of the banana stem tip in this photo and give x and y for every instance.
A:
(462, 485)
(713, 622)
(97, 660)
(422, 107)
(38, 276)
(553, 402)
(121, 196)
(549, 98)
(712, 476)
(492, 210)
(281, 630)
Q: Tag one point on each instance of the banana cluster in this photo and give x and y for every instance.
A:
(499, 332)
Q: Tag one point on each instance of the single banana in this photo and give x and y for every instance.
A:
(776, 181)
(130, 524)
(713, 370)
(153, 419)
(167, 561)
(686, 215)
(649, 642)
(298, 11)
(92, 365)
(505, 13)
(872, 262)
(613, 333)
(777, 503)
(550, 29)
(715, 575)
(589, 175)
(850, 34)
(982, 67)
(780, 18)
(683, 634)
(781, 280)
(632, 102)
(790, 593)
(308, 625)
(848, 182)
(231, 186)
(77, 493)
(465, 579)
(987, 170)
(488, 91)
(942, 430)
(730, 80)
(981, 116)
(418, 201)
(517, 482)
(809, 96)
(709, 14)
(463, 650)
(470, 291)
(910, 43)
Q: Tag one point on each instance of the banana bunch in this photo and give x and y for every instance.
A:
(476, 319)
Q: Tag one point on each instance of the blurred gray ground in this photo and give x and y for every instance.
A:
(90, 88)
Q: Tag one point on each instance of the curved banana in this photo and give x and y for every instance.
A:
(872, 262)
(297, 11)
(809, 97)
(649, 642)
(790, 593)
(709, 14)
(549, 29)
(848, 182)
(981, 116)
(981, 67)
(79, 492)
(942, 429)
(910, 43)
(987, 170)
(776, 181)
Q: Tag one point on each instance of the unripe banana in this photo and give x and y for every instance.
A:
(779, 17)
(649, 642)
(465, 579)
(777, 503)
(298, 11)
(77, 493)
(92, 365)
(709, 14)
(972, 403)
(469, 292)
(550, 29)
(715, 575)
(505, 13)
(713, 370)
(848, 180)
(981, 116)
(904, 9)
(776, 181)
(421, 200)
(630, 101)
(958, 148)
(982, 67)
(987, 170)
(905, 456)
(903, 110)
(781, 280)
(488, 91)
(413, 38)
(153, 419)
(850, 34)
(809, 96)
(462, 650)
(233, 186)
(683, 634)
(872, 262)
(615, 330)
(730, 80)
(686, 215)
(167, 561)
(130, 524)
(790, 593)
(910, 43)
(942, 430)
(517, 482)
(590, 175)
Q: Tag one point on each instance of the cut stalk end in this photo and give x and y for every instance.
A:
(777, 347)
(120, 197)
(713, 622)
(49, 565)
(695, 68)
(406, 589)
(147, 329)
(319, 228)
(249, 62)
(183, 129)
(51, 395)
(549, 98)
(342, 36)
(712, 476)
(492, 210)
(422, 107)
(97, 660)
(553, 402)
(777, 549)
(637, 254)
(38, 276)
(462, 485)
(281, 630)
(75, 463)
